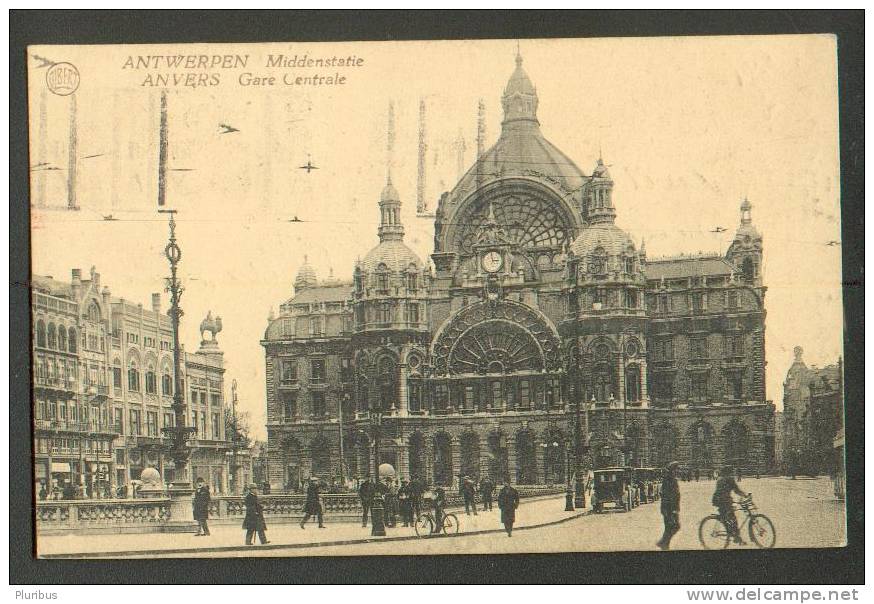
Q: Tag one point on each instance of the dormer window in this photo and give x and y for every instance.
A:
(382, 279)
(598, 265)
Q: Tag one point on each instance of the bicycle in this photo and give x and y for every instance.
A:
(426, 522)
(714, 534)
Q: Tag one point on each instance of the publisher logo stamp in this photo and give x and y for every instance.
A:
(62, 78)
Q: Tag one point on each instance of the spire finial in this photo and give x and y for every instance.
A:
(518, 55)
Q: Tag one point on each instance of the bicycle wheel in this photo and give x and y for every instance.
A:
(762, 531)
(423, 525)
(450, 524)
(712, 533)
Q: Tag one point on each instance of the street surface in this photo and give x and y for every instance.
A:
(804, 512)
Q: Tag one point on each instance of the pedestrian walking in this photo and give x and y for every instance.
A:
(508, 501)
(253, 522)
(725, 486)
(201, 508)
(670, 505)
(468, 491)
(313, 504)
(365, 493)
(487, 491)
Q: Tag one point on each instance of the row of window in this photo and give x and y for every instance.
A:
(382, 281)
(289, 402)
(56, 337)
(699, 347)
(71, 445)
(384, 313)
(318, 373)
(699, 386)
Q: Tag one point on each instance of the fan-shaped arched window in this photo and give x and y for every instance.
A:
(133, 377)
(52, 336)
(41, 333)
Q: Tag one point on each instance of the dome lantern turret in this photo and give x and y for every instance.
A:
(520, 97)
(306, 276)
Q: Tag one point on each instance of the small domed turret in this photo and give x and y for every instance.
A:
(306, 277)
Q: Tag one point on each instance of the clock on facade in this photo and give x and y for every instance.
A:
(492, 261)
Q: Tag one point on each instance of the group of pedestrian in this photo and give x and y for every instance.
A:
(469, 490)
(721, 500)
(404, 499)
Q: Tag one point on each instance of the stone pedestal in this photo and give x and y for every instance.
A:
(181, 508)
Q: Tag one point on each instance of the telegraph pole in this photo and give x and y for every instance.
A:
(234, 488)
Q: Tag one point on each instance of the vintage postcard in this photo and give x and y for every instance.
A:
(497, 296)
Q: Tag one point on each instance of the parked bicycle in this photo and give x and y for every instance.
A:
(714, 534)
(425, 524)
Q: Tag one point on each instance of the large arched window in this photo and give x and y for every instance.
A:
(417, 455)
(442, 459)
(151, 380)
(603, 382)
(700, 437)
(498, 456)
(470, 454)
(320, 451)
(41, 333)
(748, 270)
(52, 336)
(387, 379)
(166, 382)
(632, 383)
(62, 337)
(133, 377)
(382, 274)
(598, 265)
(72, 342)
(526, 458)
(735, 439)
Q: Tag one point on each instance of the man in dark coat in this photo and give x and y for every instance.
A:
(201, 508)
(365, 493)
(468, 491)
(313, 504)
(254, 519)
(725, 486)
(487, 491)
(508, 501)
(670, 505)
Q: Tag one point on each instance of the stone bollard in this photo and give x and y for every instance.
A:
(377, 517)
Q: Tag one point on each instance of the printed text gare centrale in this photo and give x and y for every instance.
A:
(205, 70)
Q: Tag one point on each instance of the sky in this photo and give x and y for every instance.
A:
(688, 126)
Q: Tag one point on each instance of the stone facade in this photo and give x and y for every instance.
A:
(538, 319)
(104, 391)
(813, 412)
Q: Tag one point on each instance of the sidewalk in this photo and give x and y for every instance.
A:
(230, 538)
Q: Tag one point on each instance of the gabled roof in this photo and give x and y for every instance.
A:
(51, 286)
(678, 268)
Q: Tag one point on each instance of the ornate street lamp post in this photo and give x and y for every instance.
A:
(180, 489)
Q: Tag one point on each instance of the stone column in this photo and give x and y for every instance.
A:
(644, 393)
(456, 458)
(403, 460)
(403, 403)
(429, 460)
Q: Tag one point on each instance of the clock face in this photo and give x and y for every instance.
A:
(492, 261)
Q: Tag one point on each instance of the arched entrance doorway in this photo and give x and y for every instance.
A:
(470, 454)
(526, 458)
(443, 459)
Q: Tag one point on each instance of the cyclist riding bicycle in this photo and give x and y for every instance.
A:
(725, 486)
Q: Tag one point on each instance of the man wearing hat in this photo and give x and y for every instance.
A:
(201, 508)
(313, 504)
(670, 505)
(508, 501)
(468, 491)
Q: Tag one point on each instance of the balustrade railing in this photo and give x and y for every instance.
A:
(105, 513)
(152, 514)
